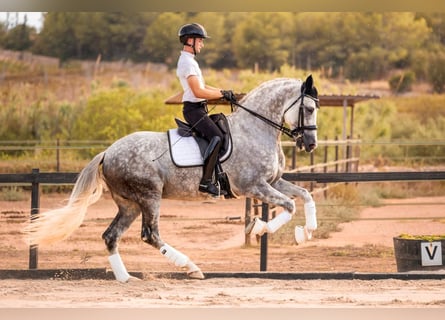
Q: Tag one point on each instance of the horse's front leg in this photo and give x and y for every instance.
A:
(310, 212)
(280, 194)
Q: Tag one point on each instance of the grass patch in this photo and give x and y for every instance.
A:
(403, 190)
(366, 251)
(435, 237)
(13, 193)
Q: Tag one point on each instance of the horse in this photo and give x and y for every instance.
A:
(138, 174)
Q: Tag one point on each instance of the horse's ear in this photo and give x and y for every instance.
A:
(308, 84)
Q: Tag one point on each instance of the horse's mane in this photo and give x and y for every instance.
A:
(269, 84)
(264, 93)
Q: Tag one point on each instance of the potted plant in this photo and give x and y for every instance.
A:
(419, 252)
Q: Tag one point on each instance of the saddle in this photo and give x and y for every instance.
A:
(186, 130)
(187, 148)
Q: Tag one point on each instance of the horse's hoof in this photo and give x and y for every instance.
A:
(196, 274)
(133, 279)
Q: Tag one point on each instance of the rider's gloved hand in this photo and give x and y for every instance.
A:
(228, 95)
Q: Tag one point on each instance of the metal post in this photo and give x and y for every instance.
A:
(35, 205)
(58, 155)
(325, 169)
(348, 154)
(248, 218)
(312, 170)
(263, 253)
(336, 154)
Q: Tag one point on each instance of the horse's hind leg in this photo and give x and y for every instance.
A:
(150, 235)
(127, 213)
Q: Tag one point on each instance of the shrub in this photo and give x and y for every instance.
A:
(402, 82)
(436, 73)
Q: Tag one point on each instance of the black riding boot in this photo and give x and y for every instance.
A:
(210, 159)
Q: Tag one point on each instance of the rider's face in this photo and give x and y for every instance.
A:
(199, 44)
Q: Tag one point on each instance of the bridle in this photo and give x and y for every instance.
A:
(300, 128)
(298, 131)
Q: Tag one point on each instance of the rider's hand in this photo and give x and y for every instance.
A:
(228, 95)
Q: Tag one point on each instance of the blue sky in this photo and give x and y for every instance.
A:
(34, 19)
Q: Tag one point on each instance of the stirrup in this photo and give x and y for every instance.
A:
(211, 188)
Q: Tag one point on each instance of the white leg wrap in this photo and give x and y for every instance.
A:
(302, 234)
(311, 216)
(192, 267)
(277, 222)
(173, 255)
(259, 227)
(119, 270)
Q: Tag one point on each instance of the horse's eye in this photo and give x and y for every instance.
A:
(310, 109)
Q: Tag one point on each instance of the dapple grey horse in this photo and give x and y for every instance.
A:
(139, 174)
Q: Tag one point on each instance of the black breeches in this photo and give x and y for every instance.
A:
(196, 115)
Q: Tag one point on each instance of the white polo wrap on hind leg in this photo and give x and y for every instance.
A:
(277, 222)
(178, 258)
(173, 255)
(118, 267)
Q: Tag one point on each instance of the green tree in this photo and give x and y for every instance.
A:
(84, 35)
(19, 38)
(436, 72)
(125, 32)
(3, 30)
(401, 35)
(265, 39)
(57, 37)
(435, 21)
(161, 38)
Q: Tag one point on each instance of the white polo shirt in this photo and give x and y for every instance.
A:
(188, 66)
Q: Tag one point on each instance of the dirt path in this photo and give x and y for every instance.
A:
(215, 243)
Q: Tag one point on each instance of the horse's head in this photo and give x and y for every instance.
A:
(301, 115)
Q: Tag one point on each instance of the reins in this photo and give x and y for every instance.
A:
(290, 133)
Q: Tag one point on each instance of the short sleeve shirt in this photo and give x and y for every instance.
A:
(188, 66)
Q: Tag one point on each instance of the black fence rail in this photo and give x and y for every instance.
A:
(36, 178)
(332, 177)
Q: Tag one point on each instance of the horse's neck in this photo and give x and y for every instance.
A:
(268, 100)
(246, 124)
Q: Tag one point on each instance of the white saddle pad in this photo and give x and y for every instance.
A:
(185, 151)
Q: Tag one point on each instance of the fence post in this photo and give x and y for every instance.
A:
(248, 218)
(263, 251)
(35, 205)
(325, 169)
(348, 154)
(312, 161)
(336, 154)
(58, 155)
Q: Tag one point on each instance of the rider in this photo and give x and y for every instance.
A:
(196, 94)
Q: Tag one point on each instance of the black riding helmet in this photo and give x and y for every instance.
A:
(192, 30)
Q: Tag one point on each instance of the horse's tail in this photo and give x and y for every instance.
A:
(55, 225)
